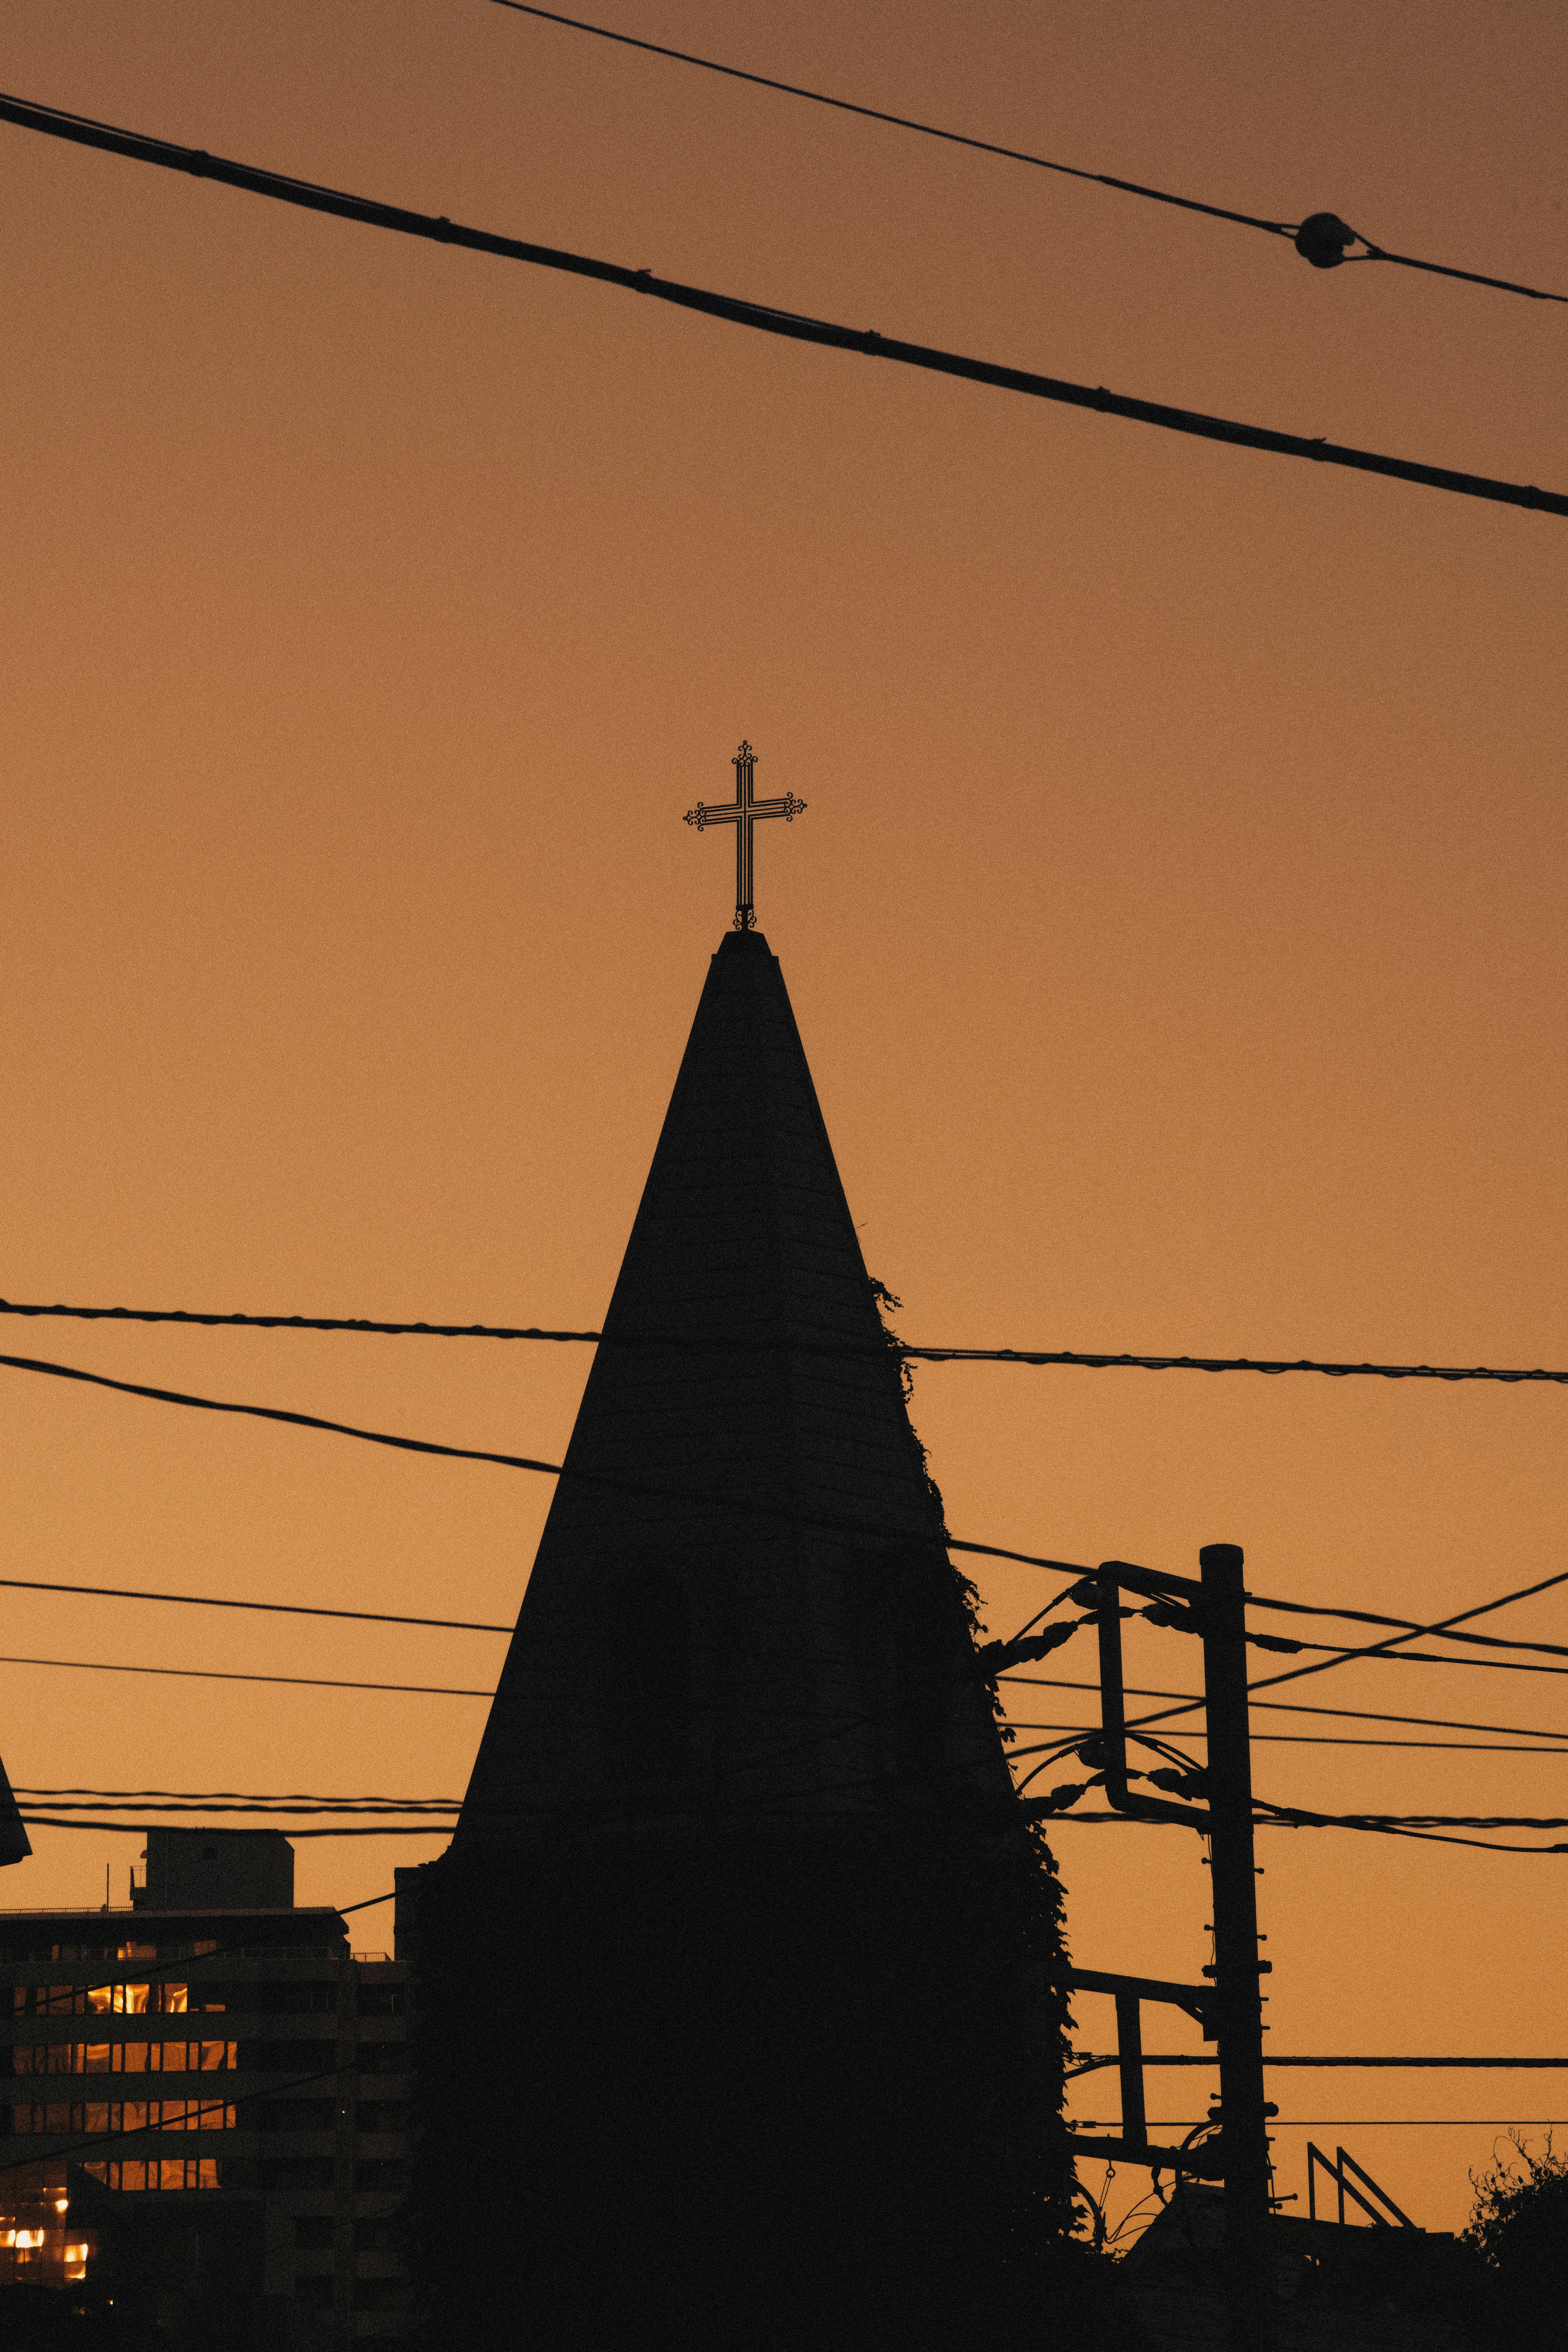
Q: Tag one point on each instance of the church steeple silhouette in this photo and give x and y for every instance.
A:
(740, 1996)
(740, 1603)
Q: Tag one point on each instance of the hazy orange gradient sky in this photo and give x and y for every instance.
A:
(1176, 930)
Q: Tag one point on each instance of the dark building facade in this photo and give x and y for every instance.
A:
(222, 2073)
(740, 1992)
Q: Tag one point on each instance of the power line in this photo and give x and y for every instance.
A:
(1035, 1357)
(299, 1323)
(748, 1504)
(1321, 240)
(355, 1829)
(1425, 1658)
(1083, 2060)
(246, 1796)
(213, 1601)
(1183, 1623)
(1272, 1366)
(1375, 1648)
(252, 1810)
(623, 1485)
(762, 317)
(1336, 1650)
(1405, 1624)
(294, 1420)
(1402, 1656)
(1417, 1821)
(1316, 1739)
(904, 122)
(1263, 1822)
(212, 1675)
(1186, 1622)
(1284, 1706)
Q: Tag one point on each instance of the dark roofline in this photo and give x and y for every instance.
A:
(186, 1911)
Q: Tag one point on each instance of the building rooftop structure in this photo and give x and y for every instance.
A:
(235, 2062)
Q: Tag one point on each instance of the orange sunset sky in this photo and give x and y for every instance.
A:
(1176, 930)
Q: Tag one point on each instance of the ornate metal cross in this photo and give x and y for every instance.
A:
(742, 812)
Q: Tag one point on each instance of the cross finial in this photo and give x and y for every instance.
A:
(742, 812)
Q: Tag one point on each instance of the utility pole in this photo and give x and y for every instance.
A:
(1216, 1609)
(1249, 2295)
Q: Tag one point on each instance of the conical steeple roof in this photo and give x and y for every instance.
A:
(740, 1603)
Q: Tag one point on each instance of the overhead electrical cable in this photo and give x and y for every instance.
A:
(761, 316)
(1316, 1739)
(1309, 1608)
(1415, 1657)
(217, 1600)
(1035, 1357)
(1375, 1648)
(1389, 1648)
(749, 1504)
(1325, 249)
(1270, 1365)
(351, 1829)
(214, 1674)
(300, 1323)
(1417, 1820)
(905, 122)
(237, 1796)
(1404, 1624)
(1283, 1706)
(1084, 2061)
(1052, 1820)
(151, 1811)
(1428, 1658)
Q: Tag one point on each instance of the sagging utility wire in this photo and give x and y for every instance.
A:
(1286, 1706)
(216, 1675)
(762, 317)
(1272, 1367)
(747, 1505)
(1322, 239)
